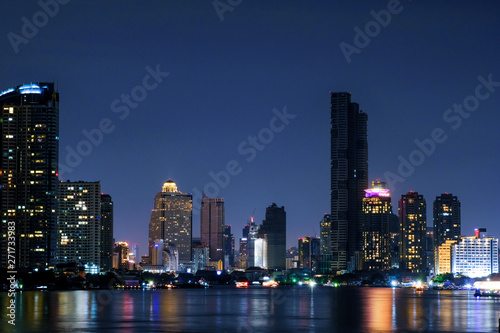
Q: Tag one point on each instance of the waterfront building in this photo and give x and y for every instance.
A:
(475, 256)
(443, 257)
(377, 211)
(29, 166)
(273, 231)
(212, 223)
(446, 220)
(79, 227)
(413, 224)
(106, 232)
(349, 179)
(171, 221)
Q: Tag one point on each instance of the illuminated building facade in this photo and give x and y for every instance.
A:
(475, 256)
(273, 230)
(106, 232)
(413, 224)
(121, 253)
(377, 211)
(29, 135)
(443, 257)
(171, 221)
(349, 179)
(212, 222)
(80, 223)
(446, 220)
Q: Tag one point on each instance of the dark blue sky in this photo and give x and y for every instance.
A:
(226, 77)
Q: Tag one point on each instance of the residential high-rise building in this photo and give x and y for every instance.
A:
(475, 256)
(106, 232)
(446, 219)
(171, 221)
(212, 222)
(273, 230)
(349, 179)
(413, 224)
(80, 223)
(228, 246)
(377, 210)
(29, 136)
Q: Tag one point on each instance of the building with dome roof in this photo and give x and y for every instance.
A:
(171, 221)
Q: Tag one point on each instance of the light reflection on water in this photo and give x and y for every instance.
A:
(227, 309)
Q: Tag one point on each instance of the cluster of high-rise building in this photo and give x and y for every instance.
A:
(265, 245)
(172, 247)
(362, 233)
(53, 222)
(72, 222)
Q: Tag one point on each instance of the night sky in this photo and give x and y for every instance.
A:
(225, 78)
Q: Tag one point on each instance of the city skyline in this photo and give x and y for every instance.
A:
(206, 107)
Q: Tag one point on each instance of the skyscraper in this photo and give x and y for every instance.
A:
(80, 223)
(212, 222)
(29, 135)
(447, 222)
(413, 222)
(171, 221)
(349, 179)
(376, 233)
(107, 232)
(273, 230)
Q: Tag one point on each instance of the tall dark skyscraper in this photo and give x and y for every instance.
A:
(413, 227)
(349, 179)
(29, 135)
(212, 221)
(107, 233)
(446, 220)
(273, 230)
